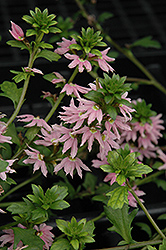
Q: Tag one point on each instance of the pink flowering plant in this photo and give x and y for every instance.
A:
(102, 130)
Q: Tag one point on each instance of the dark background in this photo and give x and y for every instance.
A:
(131, 20)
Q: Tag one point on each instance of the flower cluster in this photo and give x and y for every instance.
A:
(101, 128)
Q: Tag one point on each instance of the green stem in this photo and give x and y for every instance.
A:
(61, 96)
(98, 217)
(146, 212)
(20, 186)
(134, 245)
(125, 51)
(26, 82)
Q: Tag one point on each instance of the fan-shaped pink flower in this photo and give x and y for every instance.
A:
(71, 115)
(43, 231)
(35, 121)
(78, 61)
(90, 110)
(89, 134)
(64, 46)
(9, 238)
(70, 164)
(102, 61)
(126, 110)
(3, 175)
(36, 158)
(110, 177)
(48, 137)
(34, 70)
(69, 139)
(59, 78)
(16, 32)
(71, 88)
(162, 156)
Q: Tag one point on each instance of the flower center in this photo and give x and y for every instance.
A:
(39, 233)
(93, 130)
(96, 107)
(40, 157)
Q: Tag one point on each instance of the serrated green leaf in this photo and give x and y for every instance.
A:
(118, 197)
(121, 220)
(18, 208)
(49, 55)
(31, 32)
(59, 205)
(28, 237)
(61, 244)
(17, 44)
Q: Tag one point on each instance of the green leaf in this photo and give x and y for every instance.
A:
(61, 244)
(17, 44)
(28, 237)
(31, 32)
(145, 228)
(11, 91)
(3, 165)
(11, 131)
(147, 42)
(75, 244)
(163, 246)
(104, 16)
(121, 220)
(90, 182)
(75, 46)
(59, 205)
(49, 55)
(111, 111)
(160, 183)
(118, 197)
(162, 217)
(151, 248)
(107, 168)
(94, 96)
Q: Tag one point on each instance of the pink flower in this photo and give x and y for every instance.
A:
(34, 121)
(48, 138)
(90, 110)
(102, 61)
(27, 69)
(36, 158)
(59, 78)
(9, 238)
(89, 134)
(4, 138)
(78, 61)
(3, 175)
(124, 109)
(162, 156)
(131, 199)
(72, 114)
(43, 231)
(108, 143)
(97, 163)
(17, 32)
(119, 123)
(64, 46)
(71, 88)
(69, 138)
(69, 164)
(110, 177)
